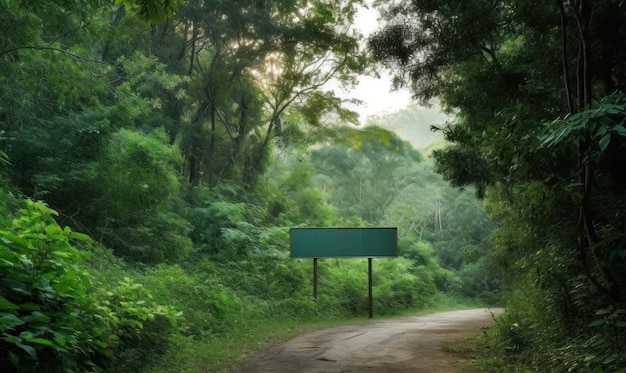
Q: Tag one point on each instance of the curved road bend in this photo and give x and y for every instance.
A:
(407, 344)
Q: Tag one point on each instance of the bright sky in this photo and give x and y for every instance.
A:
(376, 94)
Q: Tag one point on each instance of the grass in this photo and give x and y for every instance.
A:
(481, 354)
(226, 352)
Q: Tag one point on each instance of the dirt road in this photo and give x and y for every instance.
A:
(408, 344)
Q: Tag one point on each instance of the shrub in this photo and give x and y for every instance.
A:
(51, 318)
(142, 327)
(48, 319)
(138, 191)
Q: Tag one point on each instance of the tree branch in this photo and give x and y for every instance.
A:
(36, 47)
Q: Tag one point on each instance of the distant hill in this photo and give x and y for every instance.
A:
(413, 124)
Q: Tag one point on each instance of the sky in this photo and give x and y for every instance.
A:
(376, 93)
(377, 96)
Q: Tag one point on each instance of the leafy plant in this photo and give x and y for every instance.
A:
(138, 189)
(142, 328)
(600, 124)
(49, 318)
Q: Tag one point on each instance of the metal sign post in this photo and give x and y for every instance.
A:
(344, 243)
(315, 279)
(369, 292)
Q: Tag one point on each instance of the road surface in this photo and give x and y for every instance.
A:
(407, 344)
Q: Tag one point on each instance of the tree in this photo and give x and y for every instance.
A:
(138, 189)
(365, 170)
(250, 68)
(538, 131)
(151, 11)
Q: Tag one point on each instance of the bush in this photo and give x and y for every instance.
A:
(51, 318)
(142, 327)
(138, 190)
(48, 319)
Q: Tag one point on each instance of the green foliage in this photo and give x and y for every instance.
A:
(50, 320)
(148, 91)
(151, 11)
(219, 225)
(544, 146)
(143, 328)
(597, 125)
(297, 202)
(481, 281)
(532, 318)
(138, 189)
(9, 202)
(403, 285)
(365, 170)
(52, 317)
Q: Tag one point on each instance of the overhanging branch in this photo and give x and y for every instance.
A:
(37, 47)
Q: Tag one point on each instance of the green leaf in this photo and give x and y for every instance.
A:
(8, 321)
(62, 254)
(53, 229)
(29, 350)
(80, 237)
(604, 141)
(14, 359)
(30, 306)
(6, 305)
(59, 339)
(44, 342)
(17, 287)
(620, 130)
(11, 338)
(44, 284)
(597, 323)
(555, 137)
(37, 317)
(6, 263)
(26, 335)
(609, 359)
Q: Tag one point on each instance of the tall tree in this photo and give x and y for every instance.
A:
(249, 63)
(365, 170)
(538, 127)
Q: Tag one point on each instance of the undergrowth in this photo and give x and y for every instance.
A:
(512, 346)
(226, 320)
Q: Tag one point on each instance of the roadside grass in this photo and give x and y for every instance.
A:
(225, 352)
(482, 354)
(222, 326)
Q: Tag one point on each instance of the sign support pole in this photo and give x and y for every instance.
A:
(361, 242)
(369, 276)
(315, 279)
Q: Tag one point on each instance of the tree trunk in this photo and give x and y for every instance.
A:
(588, 239)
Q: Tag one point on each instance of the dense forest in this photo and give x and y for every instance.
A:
(537, 88)
(155, 154)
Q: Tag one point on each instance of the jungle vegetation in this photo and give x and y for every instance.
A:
(537, 88)
(153, 156)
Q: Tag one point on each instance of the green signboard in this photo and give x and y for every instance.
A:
(343, 242)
